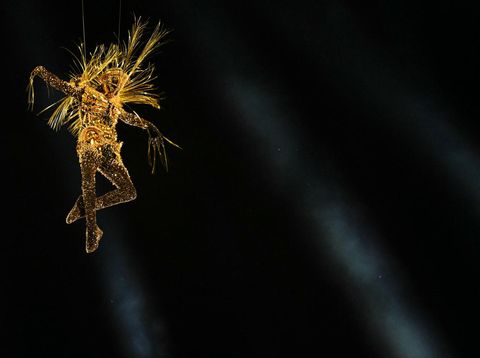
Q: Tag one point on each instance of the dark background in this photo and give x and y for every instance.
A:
(325, 202)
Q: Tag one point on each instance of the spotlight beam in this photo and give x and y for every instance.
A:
(343, 233)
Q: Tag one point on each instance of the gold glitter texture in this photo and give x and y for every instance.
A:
(93, 104)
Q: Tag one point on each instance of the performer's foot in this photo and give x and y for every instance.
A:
(76, 212)
(93, 239)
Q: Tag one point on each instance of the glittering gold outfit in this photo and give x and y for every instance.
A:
(93, 106)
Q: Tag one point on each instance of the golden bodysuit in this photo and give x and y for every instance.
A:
(98, 149)
(109, 77)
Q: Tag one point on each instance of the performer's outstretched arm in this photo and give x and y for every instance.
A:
(156, 140)
(53, 81)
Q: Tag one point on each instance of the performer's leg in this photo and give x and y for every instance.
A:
(89, 162)
(116, 172)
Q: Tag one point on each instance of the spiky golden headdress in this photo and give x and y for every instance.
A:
(128, 59)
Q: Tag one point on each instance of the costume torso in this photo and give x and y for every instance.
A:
(99, 116)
